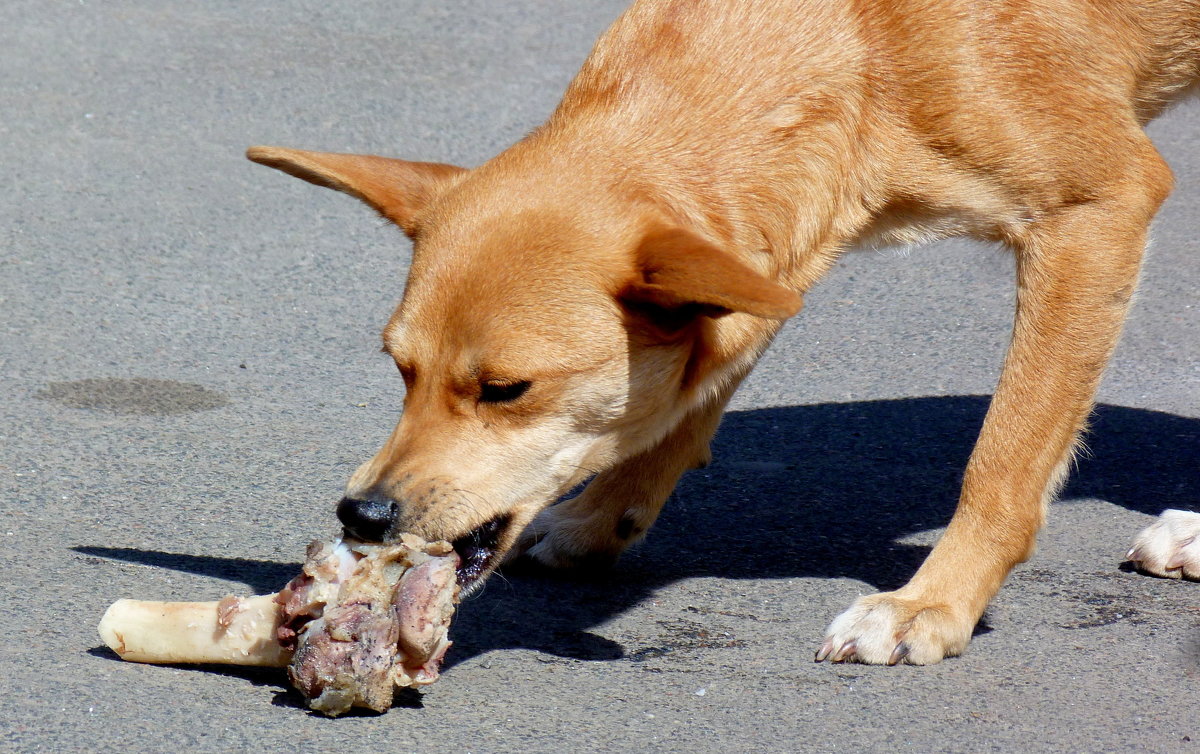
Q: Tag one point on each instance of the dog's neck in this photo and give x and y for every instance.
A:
(763, 175)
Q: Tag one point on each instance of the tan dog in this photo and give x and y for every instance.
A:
(586, 302)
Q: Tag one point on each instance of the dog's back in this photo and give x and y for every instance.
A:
(959, 117)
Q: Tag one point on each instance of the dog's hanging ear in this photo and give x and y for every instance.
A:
(680, 276)
(396, 189)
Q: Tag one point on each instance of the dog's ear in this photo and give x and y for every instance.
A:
(680, 276)
(396, 189)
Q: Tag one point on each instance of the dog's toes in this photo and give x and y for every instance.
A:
(538, 545)
(884, 629)
(558, 540)
(824, 651)
(549, 553)
(519, 552)
(1170, 547)
(899, 653)
(845, 653)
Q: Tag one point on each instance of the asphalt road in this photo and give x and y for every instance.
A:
(188, 345)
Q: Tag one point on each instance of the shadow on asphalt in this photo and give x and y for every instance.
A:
(263, 576)
(820, 491)
(285, 696)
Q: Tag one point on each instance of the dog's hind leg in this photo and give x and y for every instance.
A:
(1077, 267)
(620, 504)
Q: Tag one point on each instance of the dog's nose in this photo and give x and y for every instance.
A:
(368, 520)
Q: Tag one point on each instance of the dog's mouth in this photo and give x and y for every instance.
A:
(477, 551)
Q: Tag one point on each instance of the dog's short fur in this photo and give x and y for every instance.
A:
(1169, 547)
(585, 303)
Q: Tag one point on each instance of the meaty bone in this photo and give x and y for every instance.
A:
(357, 622)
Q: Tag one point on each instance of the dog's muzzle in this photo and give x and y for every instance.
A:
(375, 521)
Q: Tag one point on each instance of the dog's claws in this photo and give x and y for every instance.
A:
(1133, 555)
(846, 653)
(824, 651)
(899, 653)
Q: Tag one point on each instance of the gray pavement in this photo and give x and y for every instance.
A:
(188, 346)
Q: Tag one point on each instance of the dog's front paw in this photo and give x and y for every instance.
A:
(1170, 547)
(888, 629)
(560, 537)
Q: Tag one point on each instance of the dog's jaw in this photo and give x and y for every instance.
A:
(483, 549)
(478, 552)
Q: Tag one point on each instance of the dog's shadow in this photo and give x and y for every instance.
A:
(797, 491)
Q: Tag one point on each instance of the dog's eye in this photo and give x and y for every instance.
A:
(495, 391)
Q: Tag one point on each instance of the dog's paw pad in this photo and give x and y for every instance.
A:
(883, 629)
(1170, 547)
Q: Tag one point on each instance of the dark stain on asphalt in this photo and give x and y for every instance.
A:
(1128, 597)
(685, 636)
(137, 395)
(1105, 611)
(731, 614)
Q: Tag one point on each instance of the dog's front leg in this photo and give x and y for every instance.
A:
(1076, 272)
(620, 504)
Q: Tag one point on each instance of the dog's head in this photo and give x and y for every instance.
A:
(546, 332)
